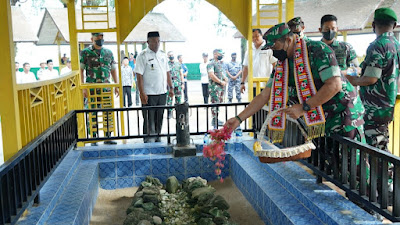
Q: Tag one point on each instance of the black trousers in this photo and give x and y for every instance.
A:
(127, 91)
(206, 94)
(153, 119)
(185, 92)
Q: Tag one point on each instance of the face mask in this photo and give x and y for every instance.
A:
(280, 54)
(233, 58)
(298, 33)
(220, 57)
(171, 58)
(99, 42)
(329, 35)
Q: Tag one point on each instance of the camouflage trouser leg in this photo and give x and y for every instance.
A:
(378, 136)
(217, 96)
(234, 84)
(177, 95)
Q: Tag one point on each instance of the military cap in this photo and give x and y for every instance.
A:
(234, 53)
(218, 50)
(385, 14)
(275, 33)
(297, 21)
(97, 34)
(153, 34)
(205, 54)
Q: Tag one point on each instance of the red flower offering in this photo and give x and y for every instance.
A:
(216, 149)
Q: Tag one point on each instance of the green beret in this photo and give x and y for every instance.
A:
(218, 50)
(295, 22)
(96, 34)
(385, 14)
(275, 33)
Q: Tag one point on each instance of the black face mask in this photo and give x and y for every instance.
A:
(280, 54)
(220, 57)
(99, 42)
(171, 58)
(329, 35)
(298, 33)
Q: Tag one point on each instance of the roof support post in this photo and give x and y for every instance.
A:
(9, 110)
(289, 9)
(344, 36)
(250, 50)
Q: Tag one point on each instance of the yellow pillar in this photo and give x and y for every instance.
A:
(250, 51)
(10, 123)
(289, 9)
(126, 49)
(344, 36)
(73, 44)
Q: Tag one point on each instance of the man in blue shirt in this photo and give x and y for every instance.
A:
(185, 73)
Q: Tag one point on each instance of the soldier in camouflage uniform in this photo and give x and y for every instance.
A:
(99, 64)
(379, 77)
(342, 107)
(177, 81)
(217, 83)
(345, 54)
(234, 71)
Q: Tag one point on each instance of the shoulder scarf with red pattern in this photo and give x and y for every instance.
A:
(315, 119)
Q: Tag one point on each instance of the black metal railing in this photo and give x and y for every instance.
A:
(200, 121)
(345, 162)
(23, 175)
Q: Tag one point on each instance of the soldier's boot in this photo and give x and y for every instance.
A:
(230, 100)
(169, 114)
(239, 100)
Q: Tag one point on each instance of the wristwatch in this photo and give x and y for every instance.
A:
(306, 107)
(242, 83)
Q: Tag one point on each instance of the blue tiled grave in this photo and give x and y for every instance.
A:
(281, 193)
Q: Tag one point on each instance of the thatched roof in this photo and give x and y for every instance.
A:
(353, 16)
(22, 29)
(55, 21)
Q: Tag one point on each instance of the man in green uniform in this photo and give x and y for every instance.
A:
(345, 54)
(296, 25)
(379, 77)
(217, 83)
(99, 64)
(177, 81)
(342, 107)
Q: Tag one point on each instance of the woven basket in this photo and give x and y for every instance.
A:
(276, 154)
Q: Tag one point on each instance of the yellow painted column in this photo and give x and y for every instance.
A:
(250, 52)
(289, 9)
(344, 36)
(81, 46)
(126, 49)
(9, 111)
(73, 44)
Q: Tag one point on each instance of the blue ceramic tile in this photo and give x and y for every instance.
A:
(159, 150)
(207, 164)
(138, 151)
(90, 154)
(193, 164)
(209, 176)
(125, 152)
(108, 184)
(179, 176)
(125, 168)
(159, 166)
(139, 180)
(305, 219)
(107, 153)
(125, 182)
(145, 151)
(162, 178)
(176, 165)
(142, 167)
(107, 170)
(188, 175)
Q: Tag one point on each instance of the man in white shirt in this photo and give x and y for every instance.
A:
(204, 78)
(41, 71)
(263, 60)
(154, 78)
(66, 69)
(127, 81)
(50, 73)
(26, 76)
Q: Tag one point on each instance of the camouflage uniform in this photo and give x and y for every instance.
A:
(343, 112)
(176, 83)
(234, 68)
(344, 53)
(216, 90)
(379, 99)
(98, 65)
